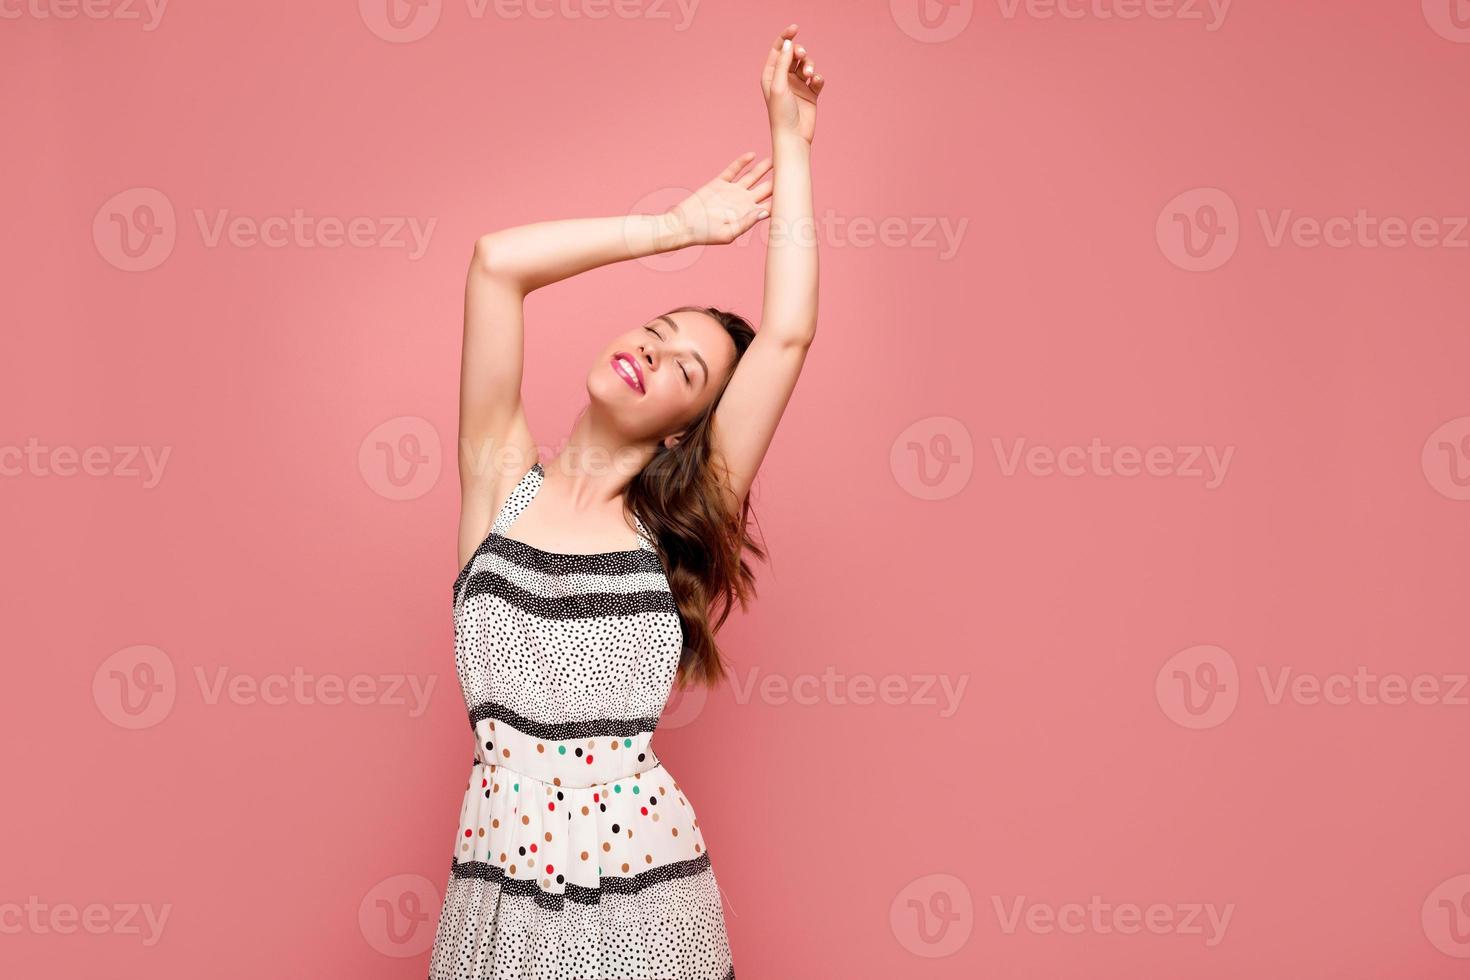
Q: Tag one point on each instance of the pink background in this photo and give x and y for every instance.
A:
(1080, 760)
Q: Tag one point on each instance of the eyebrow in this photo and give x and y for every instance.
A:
(665, 318)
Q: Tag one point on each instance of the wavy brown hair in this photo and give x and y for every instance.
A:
(682, 499)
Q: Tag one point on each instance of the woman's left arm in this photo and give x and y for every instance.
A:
(755, 398)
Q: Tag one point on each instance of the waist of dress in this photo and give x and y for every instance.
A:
(571, 754)
(557, 776)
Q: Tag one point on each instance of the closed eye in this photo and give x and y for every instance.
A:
(687, 380)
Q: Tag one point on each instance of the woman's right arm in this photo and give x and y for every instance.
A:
(495, 442)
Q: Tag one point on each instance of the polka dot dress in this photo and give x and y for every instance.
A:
(576, 854)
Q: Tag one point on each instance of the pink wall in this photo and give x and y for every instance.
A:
(988, 677)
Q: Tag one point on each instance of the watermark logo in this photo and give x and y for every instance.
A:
(934, 458)
(400, 21)
(310, 231)
(1198, 687)
(1362, 229)
(401, 458)
(135, 687)
(1363, 687)
(940, 691)
(149, 13)
(406, 21)
(932, 21)
(39, 918)
(143, 463)
(1201, 686)
(649, 10)
(135, 229)
(1450, 19)
(1208, 464)
(941, 234)
(1446, 459)
(656, 204)
(1211, 13)
(398, 915)
(1199, 229)
(683, 706)
(1446, 917)
(932, 916)
(1099, 917)
(299, 687)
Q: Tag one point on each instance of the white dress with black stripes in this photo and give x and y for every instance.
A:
(576, 854)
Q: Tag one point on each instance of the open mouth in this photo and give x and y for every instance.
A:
(629, 371)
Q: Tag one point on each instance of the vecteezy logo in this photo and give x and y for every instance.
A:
(1199, 229)
(400, 459)
(135, 229)
(931, 21)
(683, 706)
(1446, 917)
(400, 21)
(658, 202)
(1449, 18)
(1446, 458)
(398, 914)
(932, 916)
(135, 687)
(1198, 687)
(933, 458)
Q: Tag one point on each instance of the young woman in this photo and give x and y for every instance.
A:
(593, 582)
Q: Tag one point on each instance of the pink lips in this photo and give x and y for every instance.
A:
(620, 362)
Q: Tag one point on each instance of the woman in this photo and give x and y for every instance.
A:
(576, 853)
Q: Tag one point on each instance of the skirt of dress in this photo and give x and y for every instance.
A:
(621, 889)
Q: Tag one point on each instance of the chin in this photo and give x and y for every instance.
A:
(604, 388)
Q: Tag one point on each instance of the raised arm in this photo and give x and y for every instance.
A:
(495, 442)
(752, 404)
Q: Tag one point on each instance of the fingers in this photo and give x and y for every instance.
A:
(755, 173)
(774, 51)
(736, 165)
(783, 66)
(749, 220)
(762, 191)
(804, 67)
(773, 55)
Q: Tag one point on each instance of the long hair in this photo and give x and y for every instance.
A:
(682, 499)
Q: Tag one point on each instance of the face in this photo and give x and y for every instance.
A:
(655, 379)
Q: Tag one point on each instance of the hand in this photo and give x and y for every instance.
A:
(725, 208)
(791, 85)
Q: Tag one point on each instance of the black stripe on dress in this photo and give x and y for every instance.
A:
(561, 731)
(548, 563)
(578, 893)
(582, 606)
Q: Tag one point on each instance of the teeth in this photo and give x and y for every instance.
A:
(627, 369)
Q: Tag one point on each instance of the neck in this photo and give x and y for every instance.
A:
(596, 464)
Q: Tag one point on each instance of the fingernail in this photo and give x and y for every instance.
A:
(786, 44)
